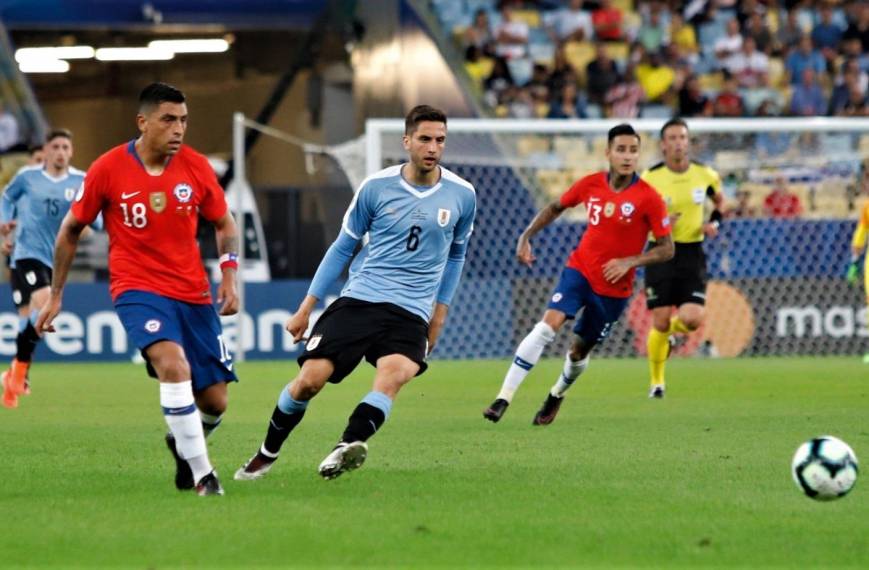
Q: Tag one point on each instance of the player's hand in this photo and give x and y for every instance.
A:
(710, 230)
(6, 228)
(436, 325)
(7, 246)
(297, 325)
(615, 269)
(227, 294)
(853, 274)
(523, 252)
(47, 315)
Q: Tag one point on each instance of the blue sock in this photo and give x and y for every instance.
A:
(285, 417)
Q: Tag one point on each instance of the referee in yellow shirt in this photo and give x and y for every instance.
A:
(858, 248)
(680, 282)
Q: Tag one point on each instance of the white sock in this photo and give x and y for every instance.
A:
(571, 371)
(527, 355)
(183, 420)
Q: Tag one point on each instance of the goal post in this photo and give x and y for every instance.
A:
(776, 285)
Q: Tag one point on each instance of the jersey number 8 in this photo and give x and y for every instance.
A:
(139, 219)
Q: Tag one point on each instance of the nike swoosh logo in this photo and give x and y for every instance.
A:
(124, 195)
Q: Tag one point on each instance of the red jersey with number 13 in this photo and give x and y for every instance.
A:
(618, 226)
(152, 220)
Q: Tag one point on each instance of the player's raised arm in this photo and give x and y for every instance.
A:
(64, 254)
(226, 234)
(544, 217)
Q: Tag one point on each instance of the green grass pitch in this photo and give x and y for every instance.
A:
(700, 479)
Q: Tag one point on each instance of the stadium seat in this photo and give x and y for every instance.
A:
(530, 17)
(530, 144)
(579, 55)
(618, 51)
(776, 73)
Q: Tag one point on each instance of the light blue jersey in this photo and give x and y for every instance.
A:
(38, 203)
(417, 238)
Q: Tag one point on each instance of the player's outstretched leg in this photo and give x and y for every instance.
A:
(527, 355)
(285, 417)
(569, 373)
(351, 451)
(393, 372)
(289, 411)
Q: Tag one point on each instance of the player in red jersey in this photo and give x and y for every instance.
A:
(151, 192)
(599, 276)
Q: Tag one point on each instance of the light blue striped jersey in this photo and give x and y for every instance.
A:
(410, 231)
(39, 203)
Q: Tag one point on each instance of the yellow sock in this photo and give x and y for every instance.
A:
(677, 326)
(657, 346)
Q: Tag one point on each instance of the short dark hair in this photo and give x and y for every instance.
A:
(620, 130)
(34, 148)
(422, 113)
(65, 133)
(156, 93)
(674, 122)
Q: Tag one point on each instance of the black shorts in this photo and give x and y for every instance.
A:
(350, 329)
(678, 281)
(27, 276)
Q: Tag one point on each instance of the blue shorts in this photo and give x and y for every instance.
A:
(600, 313)
(149, 318)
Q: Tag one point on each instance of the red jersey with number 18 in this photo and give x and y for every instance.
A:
(152, 220)
(618, 226)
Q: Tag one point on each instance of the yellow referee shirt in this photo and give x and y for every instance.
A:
(685, 194)
(858, 242)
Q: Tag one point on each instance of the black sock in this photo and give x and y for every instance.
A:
(364, 422)
(26, 342)
(280, 427)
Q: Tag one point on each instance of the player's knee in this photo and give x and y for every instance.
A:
(661, 323)
(171, 366)
(307, 384)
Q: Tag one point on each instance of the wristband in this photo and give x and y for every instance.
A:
(716, 218)
(229, 261)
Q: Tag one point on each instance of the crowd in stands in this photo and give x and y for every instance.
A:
(625, 59)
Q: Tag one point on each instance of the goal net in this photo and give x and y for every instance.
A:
(776, 285)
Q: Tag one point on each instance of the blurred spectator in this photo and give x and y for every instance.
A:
(758, 31)
(826, 35)
(9, 133)
(519, 103)
(728, 103)
(859, 27)
(654, 34)
(730, 43)
(743, 207)
(476, 66)
(748, 9)
(607, 21)
(539, 83)
(852, 78)
(692, 101)
(571, 23)
(804, 57)
(36, 155)
(789, 34)
(682, 35)
(568, 106)
(852, 48)
(749, 66)
(808, 97)
(624, 98)
(600, 75)
(498, 82)
(562, 72)
(781, 202)
(479, 34)
(655, 78)
(511, 36)
(771, 143)
(856, 106)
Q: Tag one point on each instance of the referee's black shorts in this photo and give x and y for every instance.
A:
(352, 329)
(678, 281)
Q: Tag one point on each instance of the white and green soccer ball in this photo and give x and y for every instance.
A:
(825, 468)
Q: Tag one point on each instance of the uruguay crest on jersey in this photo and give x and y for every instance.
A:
(443, 217)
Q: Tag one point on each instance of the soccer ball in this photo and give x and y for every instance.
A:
(825, 468)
